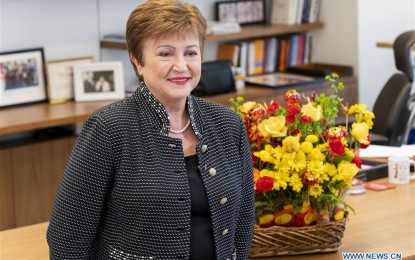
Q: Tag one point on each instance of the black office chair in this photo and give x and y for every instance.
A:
(392, 106)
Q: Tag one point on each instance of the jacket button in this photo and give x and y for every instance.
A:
(223, 201)
(224, 232)
(212, 171)
(204, 148)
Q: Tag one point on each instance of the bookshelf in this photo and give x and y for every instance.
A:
(247, 32)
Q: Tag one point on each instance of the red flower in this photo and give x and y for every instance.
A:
(306, 119)
(264, 184)
(337, 148)
(296, 132)
(257, 113)
(363, 146)
(290, 119)
(358, 162)
(293, 110)
(292, 96)
(307, 180)
(275, 105)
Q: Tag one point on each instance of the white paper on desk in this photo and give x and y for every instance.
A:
(387, 151)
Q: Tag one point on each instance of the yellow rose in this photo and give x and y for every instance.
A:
(314, 113)
(360, 131)
(347, 171)
(291, 143)
(273, 127)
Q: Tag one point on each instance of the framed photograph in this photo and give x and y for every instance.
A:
(22, 77)
(99, 81)
(242, 11)
(60, 83)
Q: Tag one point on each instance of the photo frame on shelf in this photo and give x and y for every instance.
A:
(243, 12)
(22, 77)
(99, 81)
(60, 79)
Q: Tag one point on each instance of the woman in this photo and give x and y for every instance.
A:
(161, 174)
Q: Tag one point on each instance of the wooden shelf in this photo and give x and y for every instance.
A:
(264, 30)
(389, 45)
(253, 31)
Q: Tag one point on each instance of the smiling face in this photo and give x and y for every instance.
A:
(171, 67)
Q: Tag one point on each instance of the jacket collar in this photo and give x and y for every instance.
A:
(158, 115)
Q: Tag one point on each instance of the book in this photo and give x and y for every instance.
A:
(270, 55)
(243, 57)
(299, 13)
(314, 11)
(259, 56)
(282, 54)
(306, 11)
(251, 57)
(284, 11)
(228, 51)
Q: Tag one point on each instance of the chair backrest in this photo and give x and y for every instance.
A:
(391, 107)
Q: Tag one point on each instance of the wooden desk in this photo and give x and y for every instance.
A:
(384, 222)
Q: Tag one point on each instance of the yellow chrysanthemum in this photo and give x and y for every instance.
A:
(330, 169)
(311, 138)
(273, 127)
(306, 147)
(362, 115)
(264, 156)
(299, 162)
(357, 109)
(266, 172)
(296, 183)
(315, 155)
(315, 190)
(315, 166)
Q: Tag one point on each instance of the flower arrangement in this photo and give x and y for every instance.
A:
(303, 162)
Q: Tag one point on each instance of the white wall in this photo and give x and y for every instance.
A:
(67, 29)
(351, 30)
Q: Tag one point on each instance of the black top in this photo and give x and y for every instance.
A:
(201, 232)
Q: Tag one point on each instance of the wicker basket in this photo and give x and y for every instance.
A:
(278, 241)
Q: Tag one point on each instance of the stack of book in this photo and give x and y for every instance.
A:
(267, 55)
(295, 11)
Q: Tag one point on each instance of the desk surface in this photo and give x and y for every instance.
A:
(384, 222)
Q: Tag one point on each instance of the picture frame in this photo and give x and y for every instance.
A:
(22, 78)
(243, 12)
(60, 79)
(99, 81)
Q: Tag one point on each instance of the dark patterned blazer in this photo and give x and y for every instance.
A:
(125, 192)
